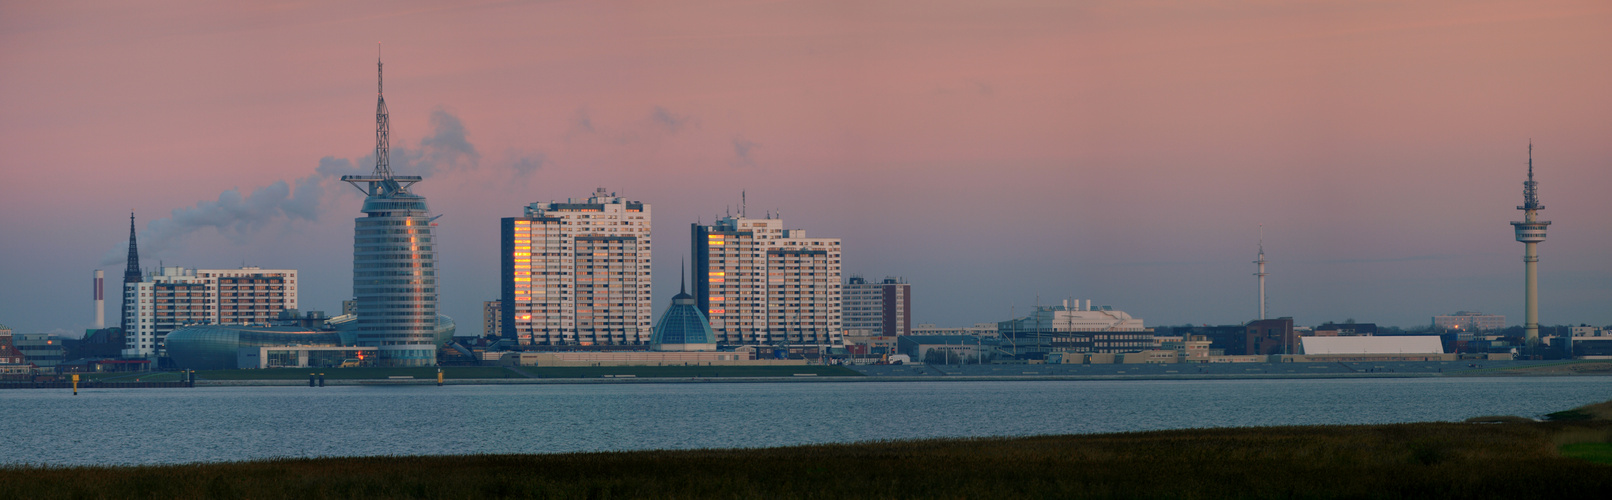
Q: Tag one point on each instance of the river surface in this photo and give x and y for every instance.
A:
(213, 424)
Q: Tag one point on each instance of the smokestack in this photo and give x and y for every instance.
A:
(100, 299)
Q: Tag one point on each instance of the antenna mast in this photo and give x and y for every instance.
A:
(1261, 274)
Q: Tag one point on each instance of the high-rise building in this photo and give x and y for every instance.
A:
(577, 272)
(761, 284)
(492, 318)
(172, 297)
(394, 262)
(880, 309)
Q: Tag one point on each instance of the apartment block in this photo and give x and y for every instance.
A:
(761, 284)
(577, 272)
(880, 309)
(171, 297)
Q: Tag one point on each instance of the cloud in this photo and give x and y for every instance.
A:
(446, 148)
(582, 122)
(525, 163)
(666, 119)
(240, 217)
(741, 151)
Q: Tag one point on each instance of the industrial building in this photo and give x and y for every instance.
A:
(577, 272)
(761, 284)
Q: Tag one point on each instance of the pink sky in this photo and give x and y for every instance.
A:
(989, 152)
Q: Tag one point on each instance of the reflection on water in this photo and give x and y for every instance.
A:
(124, 426)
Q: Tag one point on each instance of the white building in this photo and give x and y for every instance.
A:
(761, 284)
(881, 309)
(578, 273)
(173, 297)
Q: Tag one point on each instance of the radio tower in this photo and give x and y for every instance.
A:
(1530, 231)
(1261, 274)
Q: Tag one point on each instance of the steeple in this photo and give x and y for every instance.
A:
(682, 291)
(132, 273)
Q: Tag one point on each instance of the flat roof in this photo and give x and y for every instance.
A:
(1410, 344)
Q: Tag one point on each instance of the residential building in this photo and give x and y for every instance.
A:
(172, 297)
(883, 308)
(761, 284)
(1470, 321)
(492, 318)
(577, 272)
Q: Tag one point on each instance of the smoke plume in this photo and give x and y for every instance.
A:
(241, 217)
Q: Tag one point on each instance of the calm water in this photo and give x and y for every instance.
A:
(126, 426)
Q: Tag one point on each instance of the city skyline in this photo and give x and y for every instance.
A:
(991, 155)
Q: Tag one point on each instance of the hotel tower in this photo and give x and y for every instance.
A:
(394, 265)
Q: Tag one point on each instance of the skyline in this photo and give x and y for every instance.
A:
(1111, 151)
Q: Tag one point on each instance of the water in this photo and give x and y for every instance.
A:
(146, 426)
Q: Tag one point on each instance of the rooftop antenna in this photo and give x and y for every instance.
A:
(1261, 274)
(742, 204)
(381, 181)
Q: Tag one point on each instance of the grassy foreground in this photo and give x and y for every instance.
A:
(1428, 460)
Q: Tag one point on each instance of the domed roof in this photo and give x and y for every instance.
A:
(683, 327)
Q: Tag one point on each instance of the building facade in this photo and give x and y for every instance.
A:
(1076, 329)
(577, 272)
(1469, 321)
(172, 297)
(878, 309)
(492, 318)
(761, 284)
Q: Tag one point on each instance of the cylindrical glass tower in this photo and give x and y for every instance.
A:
(394, 279)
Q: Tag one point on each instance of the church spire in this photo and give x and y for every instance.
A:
(132, 273)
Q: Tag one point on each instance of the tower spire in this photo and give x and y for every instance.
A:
(1261, 274)
(383, 168)
(132, 273)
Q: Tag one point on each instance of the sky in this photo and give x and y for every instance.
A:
(996, 155)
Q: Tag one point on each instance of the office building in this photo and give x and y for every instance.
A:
(878, 309)
(761, 284)
(1074, 328)
(1470, 321)
(172, 297)
(577, 272)
(394, 262)
(42, 349)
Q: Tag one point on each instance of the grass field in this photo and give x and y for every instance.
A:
(1431, 460)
